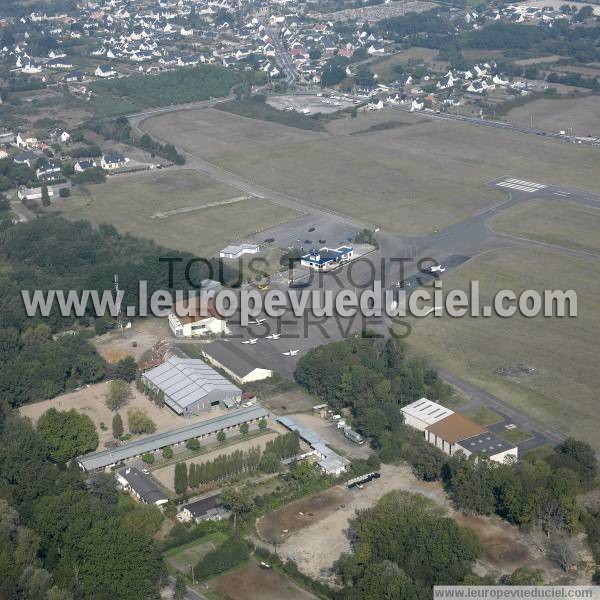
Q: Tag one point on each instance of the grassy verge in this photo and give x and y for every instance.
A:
(484, 416)
(516, 436)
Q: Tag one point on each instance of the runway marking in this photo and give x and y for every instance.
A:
(521, 185)
(514, 186)
(527, 183)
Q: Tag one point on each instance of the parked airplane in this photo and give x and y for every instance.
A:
(273, 336)
(435, 269)
(250, 341)
(257, 322)
(291, 353)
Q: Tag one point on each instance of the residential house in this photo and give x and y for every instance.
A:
(113, 160)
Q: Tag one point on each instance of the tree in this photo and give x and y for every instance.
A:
(192, 444)
(167, 452)
(67, 433)
(148, 458)
(181, 478)
(118, 394)
(45, 196)
(563, 550)
(244, 428)
(117, 426)
(180, 587)
(139, 422)
(262, 424)
(221, 436)
(238, 501)
(126, 369)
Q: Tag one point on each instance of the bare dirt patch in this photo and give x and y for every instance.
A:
(252, 582)
(317, 546)
(280, 525)
(90, 401)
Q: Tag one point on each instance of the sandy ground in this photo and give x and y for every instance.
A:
(334, 437)
(252, 582)
(90, 401)
(166, 475)
(316, 545)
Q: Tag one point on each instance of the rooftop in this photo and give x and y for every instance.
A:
(232, 357)
(426, 410)
(455, 428)
(329, 460)
(487, 444)
(187, 380)
(142, 485)
(111, 456)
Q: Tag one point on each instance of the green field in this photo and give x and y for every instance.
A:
(552, 221)
(562, 391)
(410, 180)
(516, 436)
(484, 416)
(131, 204)
(182, 557)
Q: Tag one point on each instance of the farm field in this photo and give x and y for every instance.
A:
(562, 391)
(556, 114)
(251, 582)
(421, 178)
(555, 222)
(131, 203)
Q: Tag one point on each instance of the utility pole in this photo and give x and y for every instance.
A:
(192, 569)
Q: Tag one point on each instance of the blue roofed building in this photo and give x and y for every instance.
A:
(326, 259)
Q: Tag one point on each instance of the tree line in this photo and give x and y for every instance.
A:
(225, 466)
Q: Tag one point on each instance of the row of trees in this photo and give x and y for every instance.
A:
(226, 466)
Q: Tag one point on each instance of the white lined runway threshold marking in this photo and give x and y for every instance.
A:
(521, 185)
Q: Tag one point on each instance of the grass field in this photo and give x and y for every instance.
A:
(182, 557)
(552, 221)
(484, 416)
(411, 180)
(582, 115)
(131, 202)
(562, 391)
(516, 436)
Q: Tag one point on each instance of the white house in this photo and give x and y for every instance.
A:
(113, 160)
(196, 317)
(105, 71)
(84, 164)
(26, 141)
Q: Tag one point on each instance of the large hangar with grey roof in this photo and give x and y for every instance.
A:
(190, 386)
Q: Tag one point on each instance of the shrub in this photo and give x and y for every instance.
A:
(148, 458)
(64, 192)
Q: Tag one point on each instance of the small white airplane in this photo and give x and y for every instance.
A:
(291, 353)
(257, 322)
(250, 341)
(435, 269)
(273, 336)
